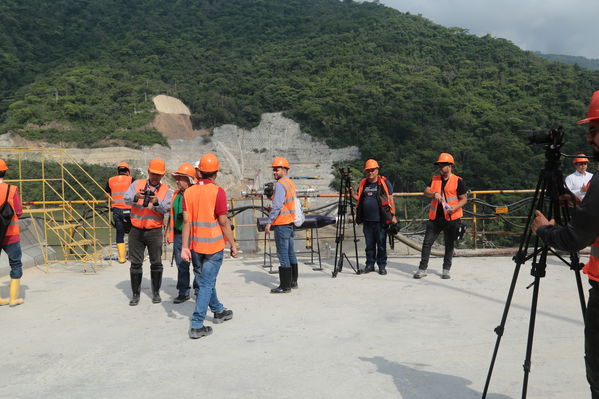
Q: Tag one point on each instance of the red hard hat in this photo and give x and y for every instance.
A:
(185, 169)
(445, 158)
(3, 166)
(593, 113)
(123, 165)
(208, 163)
(580, 158)
(371, 164)
(157, 166)
(280, 162)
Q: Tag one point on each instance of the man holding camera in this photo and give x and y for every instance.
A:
(580, 232)
(116, 188)
(376, 211)
(149, 200)
(448, 193)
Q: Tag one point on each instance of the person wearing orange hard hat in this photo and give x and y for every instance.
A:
(448, 194)
(280, 219)
(10, 237)
(150, 200)
(206, 230)
(185, 176)
(577, 182)
(376, 211)
(116, 187)
(581, 231)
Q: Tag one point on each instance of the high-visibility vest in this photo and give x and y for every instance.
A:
(206, 234)
(592, 267)
(287, 214)
(450, 194)
(385, 200)
(147, 218)
(118, 187)
(171, 220)
(13, 227)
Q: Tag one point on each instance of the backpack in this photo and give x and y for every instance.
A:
(6, 215)
(299, 214)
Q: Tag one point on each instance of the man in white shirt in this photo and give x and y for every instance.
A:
(578, 181)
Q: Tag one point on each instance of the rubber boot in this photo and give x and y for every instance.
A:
(156, 283)
(135, 288)
(294, 273)
(285, 285)
(122, 249)
(14, 292)
(3, 301)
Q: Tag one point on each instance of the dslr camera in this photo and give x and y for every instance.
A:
(147, 197)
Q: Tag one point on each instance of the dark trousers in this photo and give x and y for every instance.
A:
(182, 267)
(433, 229)
(591, 339)
(375, 236)
(122, 223)
(139, 240)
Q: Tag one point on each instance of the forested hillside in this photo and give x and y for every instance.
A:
(589, 63)
(397, 85)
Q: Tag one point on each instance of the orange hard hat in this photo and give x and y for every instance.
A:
(445, 158)
(280, 162)
(593, 113)
(208, 163)
(185, 169)
(3, 166)
(157, 166)
(371, 164)
(123, 165)
(580, 158)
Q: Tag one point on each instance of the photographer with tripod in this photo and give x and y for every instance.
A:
(581, 231)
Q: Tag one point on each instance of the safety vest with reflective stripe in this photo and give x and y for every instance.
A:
(385, 200)
(13, 227)
(118, 187)
(171, 219)
(450, 194)
(592, 267)
(287, 214)
(206, 234)
(147, 218)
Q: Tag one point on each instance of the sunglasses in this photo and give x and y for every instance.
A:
(369, 170)
(442, 164)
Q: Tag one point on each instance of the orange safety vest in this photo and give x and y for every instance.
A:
(287, 214)
(118, 187)
(206, 234)
(450, 194)
(385, 200)
(592, 267)
(147, 218)
(171, 220)
(13, 227)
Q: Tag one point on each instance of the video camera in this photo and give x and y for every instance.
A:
(553, 136)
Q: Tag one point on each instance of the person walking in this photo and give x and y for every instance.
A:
(116, 187)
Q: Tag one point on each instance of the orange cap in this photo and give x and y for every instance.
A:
(208, 163)
(123, 165)
(371, 164)
(185, 169)
(280, 162)
(593, 113)
(445, 158)
(157, 166)
(3, 166)
(580, 158)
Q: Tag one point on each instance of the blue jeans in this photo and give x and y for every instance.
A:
(206, 269)
(183, 268)
(14, 259)
(375, 235)
(122, 223)
(284, 243)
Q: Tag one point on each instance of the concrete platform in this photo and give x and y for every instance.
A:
(366, 336)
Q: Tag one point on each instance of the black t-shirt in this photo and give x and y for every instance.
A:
(461, 190)
(370, 203)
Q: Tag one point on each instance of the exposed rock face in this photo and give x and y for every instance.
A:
(173, 119)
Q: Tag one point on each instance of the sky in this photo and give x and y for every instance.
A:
(569, 27)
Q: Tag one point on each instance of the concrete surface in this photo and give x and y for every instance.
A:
(366, 336)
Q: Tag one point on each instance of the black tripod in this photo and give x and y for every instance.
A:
(345, 202)
(549, 188)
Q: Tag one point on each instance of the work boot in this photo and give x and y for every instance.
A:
(445, 274)
(223, 316)
(420, 273)
(122, 250)
(181, 298)
(285, 285)
(135, 288)
(3, 301)
(156, 283)
(368, 269)
(382, 271)
(195, 333)
(14, 299)
(294, 273)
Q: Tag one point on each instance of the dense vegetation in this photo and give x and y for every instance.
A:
(397, 85)
(588, 63)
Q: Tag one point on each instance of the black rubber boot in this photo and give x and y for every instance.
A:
(294, 276)
(156, 283)
(135, 288)
(285, 285)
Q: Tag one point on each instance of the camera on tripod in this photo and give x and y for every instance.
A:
(553, 136)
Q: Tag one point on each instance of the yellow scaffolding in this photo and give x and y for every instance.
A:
(60, 194)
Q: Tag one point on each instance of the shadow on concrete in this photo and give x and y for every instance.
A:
(418, 384)
(259, 277)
